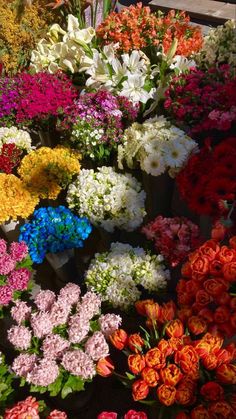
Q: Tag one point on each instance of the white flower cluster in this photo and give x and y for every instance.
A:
(15, 136)
(129, 76)
(116, 275)
(63, 50)
(157, 145)
(219, 46)
(108, 199)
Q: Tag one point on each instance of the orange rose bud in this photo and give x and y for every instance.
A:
(212, 391)
(203, 298)
(232, 242)
(222, 314)
(187, 358)
(140, 390)
(171, 375)
(226, 374)
(155, 359)
(119, 339)
(216, 267)
(150, 376)
(229, 271)
(200, 412)
(226, 255)
(196, 325)
(175, 329)
(184, 395)
(135, 342)
(105, 367)
(215, 286)
(184, 314)
(218, 231)
(136, 363)
(221, 409)
(207, 315)
(166, 394)
(200, 267)
(140, 306)
(152, 311)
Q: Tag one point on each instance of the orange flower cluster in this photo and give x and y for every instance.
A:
(176, 368)
(136, 27)
(205, 290)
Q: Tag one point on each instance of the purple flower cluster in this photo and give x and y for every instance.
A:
(35, 99)
(58, 324)
(15, 277)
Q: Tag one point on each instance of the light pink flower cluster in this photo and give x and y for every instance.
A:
(60, 322)
(174, 237)
(57, 414)
(15, 277)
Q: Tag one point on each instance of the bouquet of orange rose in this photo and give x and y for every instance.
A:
(184, 374)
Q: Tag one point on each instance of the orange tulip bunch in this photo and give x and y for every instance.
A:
(206, 289)
(177, 369)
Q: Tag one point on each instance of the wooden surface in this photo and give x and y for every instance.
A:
(206, 10)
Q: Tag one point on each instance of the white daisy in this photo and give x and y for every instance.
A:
(153, 164)
(174, 154)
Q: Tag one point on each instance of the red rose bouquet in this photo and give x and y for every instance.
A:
(174, 368)
(174, 237)
(206, 289)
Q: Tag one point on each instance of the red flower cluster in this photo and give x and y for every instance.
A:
(208, 179)
(135, 27)
(203, 100)
(9, 158)
(174, 237)
(131, 414)
(29, 408)
(204, 290)
(166, 364)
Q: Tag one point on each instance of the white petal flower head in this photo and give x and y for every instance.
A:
(134, 62)
(133, 89)
(181, 63)
(73, 23)
(174, 154)
(153, 164)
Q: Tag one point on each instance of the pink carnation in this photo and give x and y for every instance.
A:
(18, 251)
(133, 414)
(41, 324)
(78, 328)
(20, 312)
(54, 346)
(90, 306)
(20, 337)
(28, 408)
(78, 363)
(3, 247)
(59, 313)
(43, 374)
(19, 279)
(7, 264)
(70, 293)
(23, 364)
(6, 295)
(109, 323)
(57, 414)
(96, 346)
(45, 299)
(107, 415)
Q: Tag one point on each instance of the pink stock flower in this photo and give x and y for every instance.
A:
(57, 414)
(18, 251)
(78, 363)
(54, 346)
(41, 324)
(43, 374)
(109, 323)
(45, 299)
(78, 328)
(90, 306)
(26, 409)
(70, 293)
(20, 311)
(6, 295)
(59, 313)
(23, 364)
(20, 337)
(7, 264)
(96, 346)
(19, 279)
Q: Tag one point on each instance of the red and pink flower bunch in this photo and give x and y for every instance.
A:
(131, 414)
(15, 270)
(174, 237)
(35, 100)
(9, 157)
(175, 368)
(205, 289)
(207, 183)
(30, 408)
(203, 101)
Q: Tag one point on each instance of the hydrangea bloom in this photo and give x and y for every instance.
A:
(20, 311)
(78, 363)
(20, 337)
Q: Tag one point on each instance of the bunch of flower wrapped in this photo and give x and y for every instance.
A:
(13, 144)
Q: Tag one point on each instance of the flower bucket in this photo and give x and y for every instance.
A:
(48, 138)
(63, 264)
(159, 190)
(11, 230)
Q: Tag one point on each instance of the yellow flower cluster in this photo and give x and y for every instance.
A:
(46, 171)
(20, 34)
(16, 201)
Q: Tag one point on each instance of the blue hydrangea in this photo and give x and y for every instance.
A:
(53, 230)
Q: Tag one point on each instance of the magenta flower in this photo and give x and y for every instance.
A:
(18, 279)
(6, 295)
(18, 251)
(7, 264)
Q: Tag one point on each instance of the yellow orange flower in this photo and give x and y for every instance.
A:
(166, 394)
(175, 329)
(150, 376)
(136, 363)
(171, 375)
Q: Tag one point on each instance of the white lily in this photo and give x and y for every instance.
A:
(73, 23)
(133, 89)
(181, 63)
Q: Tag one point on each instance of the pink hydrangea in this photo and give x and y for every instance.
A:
(43, 374)
(90, 306)
(3, 247)
(96, 346)
(28, 408)
(20, 337)
(78, 328)
(45, 299)
(19, 279)
(21, 311)
(18, 251)
(41, 324)
(59, 313)
(109, 323)
(6, 295)
(57, 414)
(78, 363)
(23, 364)
(54, 346)
(7, 264)
(70, 293)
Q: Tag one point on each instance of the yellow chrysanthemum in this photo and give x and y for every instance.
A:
(16, 201)
(46, 171)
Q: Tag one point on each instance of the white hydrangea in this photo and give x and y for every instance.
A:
(118, 276)
(157, 146)
(16, 136)
(108, 199)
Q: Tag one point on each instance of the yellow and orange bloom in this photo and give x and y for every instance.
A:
(200, 412)
(135, 342)
(136, 363)
(175, 329)
(212, 391)
(221, 409)
(119, 339)
(171, 375)
(150, 376)
(226, 374)
(187, 358)
(152, 311)
(155, 359)
(105, 367)
(196, 325)
(166, 394)
(140, 390)
(141, 306)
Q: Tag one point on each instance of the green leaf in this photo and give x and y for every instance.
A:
(130, 376)
(65, 391)
(72, 384)
(94, 326)
(56, 386)
(38, 389)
